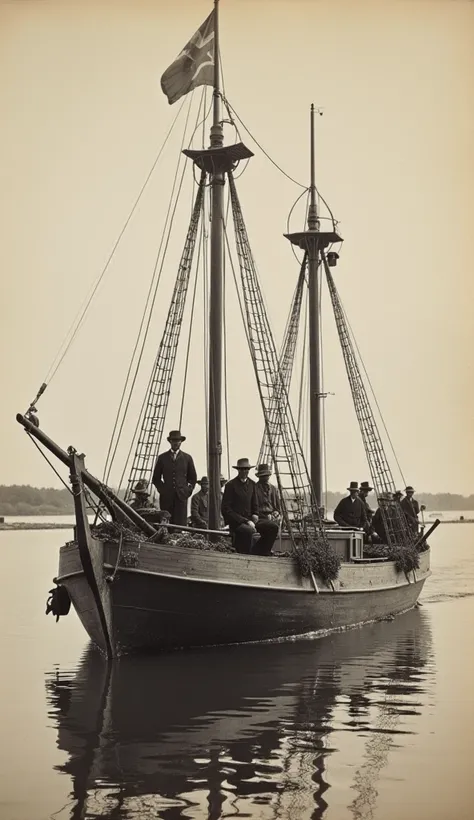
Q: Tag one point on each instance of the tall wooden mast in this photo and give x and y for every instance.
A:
(216, 161)
(313, 241)
(215, 299)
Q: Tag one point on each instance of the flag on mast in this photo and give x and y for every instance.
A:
(194, 65)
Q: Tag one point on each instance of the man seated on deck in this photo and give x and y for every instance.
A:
(364, 491)
(142, 500)
(199, 505)
(350, 512)
(144, 505)
(240, 512)
(268, 500)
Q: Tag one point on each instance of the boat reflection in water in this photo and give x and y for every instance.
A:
(241, 730)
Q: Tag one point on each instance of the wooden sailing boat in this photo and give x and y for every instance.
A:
(134, 592)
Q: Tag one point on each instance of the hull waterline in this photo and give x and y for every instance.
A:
(177, 598)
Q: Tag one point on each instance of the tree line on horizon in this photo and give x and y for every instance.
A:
(22, 499)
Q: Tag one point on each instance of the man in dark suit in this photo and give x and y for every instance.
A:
(175, 477)
(350, 512)
(364, 491)
(240, 512)
(411, 508)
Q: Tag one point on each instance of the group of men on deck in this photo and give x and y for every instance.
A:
(251, 510)
(354, 510)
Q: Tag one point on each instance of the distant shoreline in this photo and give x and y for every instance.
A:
(33, 525)
(50, 525)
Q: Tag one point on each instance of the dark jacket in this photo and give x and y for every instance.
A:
(411, 508)
(350, 513)
(268, 500)
(174, 478)
(378, 525)
(199, 511)
(368, 511)
(239, 502)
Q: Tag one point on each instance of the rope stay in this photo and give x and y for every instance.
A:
(287, 356)
(291, 471)
(155, 407)
(145, 323)
(81, 314)
(395, 524)
(354, 340)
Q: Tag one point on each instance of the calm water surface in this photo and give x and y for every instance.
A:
(373, 723)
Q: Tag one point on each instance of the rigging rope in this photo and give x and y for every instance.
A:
(188, 346)
(145, 418)
(224, 333)
(152, 418)
(287, 356)
(290, 213)
(372, 392)
(49, 462)
(168, 224)
(149, 306)
(302, 399)
(227, 103)
(399, 535)
(79, 318)
(231, 108)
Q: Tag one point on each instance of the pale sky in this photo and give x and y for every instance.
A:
(83, 117)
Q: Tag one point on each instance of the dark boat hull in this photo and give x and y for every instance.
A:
(176, 598)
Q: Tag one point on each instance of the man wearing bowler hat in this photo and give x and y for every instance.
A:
(175, 477)
(240, 512)
(350, 512)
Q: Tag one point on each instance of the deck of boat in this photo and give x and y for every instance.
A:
(179, 597)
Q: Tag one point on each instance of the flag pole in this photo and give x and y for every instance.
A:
(216, 298)
(217, 133)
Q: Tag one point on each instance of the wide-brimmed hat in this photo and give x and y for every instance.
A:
(397, 493)
(364, 485)
(354, 485)
(204, 480)
(263, 469)
(409, 489)
(175, 435)
(141, 486)
(243, 464)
